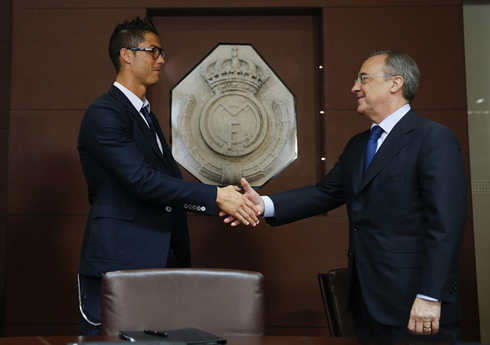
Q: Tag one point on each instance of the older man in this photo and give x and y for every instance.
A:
(404, 185)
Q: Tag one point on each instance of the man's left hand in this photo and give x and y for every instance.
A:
(424, 316)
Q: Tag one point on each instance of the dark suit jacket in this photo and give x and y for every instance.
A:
(137, 197)
(406, 216)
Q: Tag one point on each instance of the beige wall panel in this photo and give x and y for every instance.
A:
(428, 34)
(481, 221)
(45, 172)
(188, 39)
(290, 258)
(42, 263)
(227, 3)
(66, 64)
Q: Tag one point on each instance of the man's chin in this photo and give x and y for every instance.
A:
(152, 82)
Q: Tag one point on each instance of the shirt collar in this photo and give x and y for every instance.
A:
(390, 122)
(135, 101)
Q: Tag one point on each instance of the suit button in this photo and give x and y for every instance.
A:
(199, 208)
(194, 207)
(168, 209)
(356, 228)
(186, 206)
(350, 255)
(203, 208)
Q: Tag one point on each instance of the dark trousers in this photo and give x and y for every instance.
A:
(371, 332)
(89, 292)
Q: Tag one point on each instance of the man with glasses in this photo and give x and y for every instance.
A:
(404, 185)
(138, 199)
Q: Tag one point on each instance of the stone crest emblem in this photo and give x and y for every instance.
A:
(233, 117)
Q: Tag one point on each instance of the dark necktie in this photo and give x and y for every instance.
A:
(147, 116)
(371, 145)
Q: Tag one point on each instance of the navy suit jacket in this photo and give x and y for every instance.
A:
(406, 214)
(137, 197)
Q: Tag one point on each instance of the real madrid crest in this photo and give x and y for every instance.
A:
(232, 117)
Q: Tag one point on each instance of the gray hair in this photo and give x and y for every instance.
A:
(398, 63)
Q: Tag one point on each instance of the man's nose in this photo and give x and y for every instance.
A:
(356, 88)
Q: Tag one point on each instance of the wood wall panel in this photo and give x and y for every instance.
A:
(468, 293)
(340, 126)
(3, 241)
(51, 89)
(188, 39)
(290, 258)
(228, 3)
(26, 330)
(352, 33)
(45, 172)
(70, 66)
(5, 67)
(42, 264)
(3, 172)
(6, 21)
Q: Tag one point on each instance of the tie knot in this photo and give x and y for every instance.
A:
(376, 132)
(145, 111)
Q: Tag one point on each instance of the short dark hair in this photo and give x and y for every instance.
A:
(128, 34)
(399, 63)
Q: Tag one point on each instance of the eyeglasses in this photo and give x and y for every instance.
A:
(156, 51)
(362, 79)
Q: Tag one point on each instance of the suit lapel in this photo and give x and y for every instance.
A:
(116, 93)
(394, 142)
(166, 149)
(358, 168)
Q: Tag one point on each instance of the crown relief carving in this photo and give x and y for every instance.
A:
(223, 128)
(234, 73)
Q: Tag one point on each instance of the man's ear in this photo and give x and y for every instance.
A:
(397, 83)
(125, 55)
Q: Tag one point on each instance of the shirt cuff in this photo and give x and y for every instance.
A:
(427, 298)
(269, 210)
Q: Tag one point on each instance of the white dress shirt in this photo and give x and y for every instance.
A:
(138, 104)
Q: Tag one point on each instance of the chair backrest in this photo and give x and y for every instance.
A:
(334, 286)
(224, 302)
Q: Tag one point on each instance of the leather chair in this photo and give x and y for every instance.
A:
(220, 301)
(334, 286)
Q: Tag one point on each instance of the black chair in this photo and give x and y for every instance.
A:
(334, 288)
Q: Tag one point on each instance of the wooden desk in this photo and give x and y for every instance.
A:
(235, 340)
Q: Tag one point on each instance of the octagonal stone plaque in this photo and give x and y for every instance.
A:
(233, 117)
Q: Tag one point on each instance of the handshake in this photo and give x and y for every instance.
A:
(240, 208)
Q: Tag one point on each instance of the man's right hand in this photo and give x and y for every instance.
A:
(252, 196)
(235, 204)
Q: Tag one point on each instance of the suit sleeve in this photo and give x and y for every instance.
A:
(309, 201)
(443, 186)
(106, 132)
